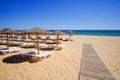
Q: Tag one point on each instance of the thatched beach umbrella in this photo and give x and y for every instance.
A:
(48, 33)
(58, 32)
(7, 31)
(37, 31)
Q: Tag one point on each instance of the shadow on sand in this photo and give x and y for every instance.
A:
(1, 54)
(14, 59)
(47, 49)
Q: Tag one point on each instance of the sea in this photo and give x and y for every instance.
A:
(90, 32)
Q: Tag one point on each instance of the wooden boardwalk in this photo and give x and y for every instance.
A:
(92, 67)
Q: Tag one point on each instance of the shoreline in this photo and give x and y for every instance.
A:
(115, 33)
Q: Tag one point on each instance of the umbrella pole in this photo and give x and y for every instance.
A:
(37, 43)
(23, 40)
(1, 37)
(22, 37)
(46, 36)
(16, 37)
(7, 41)
(12, 39)
(57, 39)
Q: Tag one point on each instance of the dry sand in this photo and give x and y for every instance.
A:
(64, 64)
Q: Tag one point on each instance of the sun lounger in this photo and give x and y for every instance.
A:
(53, 41)
(18, 39)
(54, 45)
(9, 50)
(28, 45)
(41, 41)
(49, 42)
(17, 43)
(42, 45)
(29, 40)
(3, 42)
(60, 38)
(66, 39)
(34, 54)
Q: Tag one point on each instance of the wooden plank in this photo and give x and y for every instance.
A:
(86, 78)
(92, 67)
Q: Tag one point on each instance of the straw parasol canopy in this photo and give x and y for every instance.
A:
(7, 31)
(49, 33)
(37, 31)
(58, 32)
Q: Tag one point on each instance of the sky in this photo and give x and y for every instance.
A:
(60, 14)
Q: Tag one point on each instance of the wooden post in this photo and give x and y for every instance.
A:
(1, 37)
(57, 39)
(12, 39)
(37, 43)
(23, 40)
(24, 37)
(46, 35)
(17, 36)
(7, 41)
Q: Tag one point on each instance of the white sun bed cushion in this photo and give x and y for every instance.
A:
(10, 49)
(41, 54)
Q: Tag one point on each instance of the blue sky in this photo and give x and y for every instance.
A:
(60, 14)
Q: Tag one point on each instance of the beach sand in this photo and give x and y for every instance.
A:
(64, 64)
